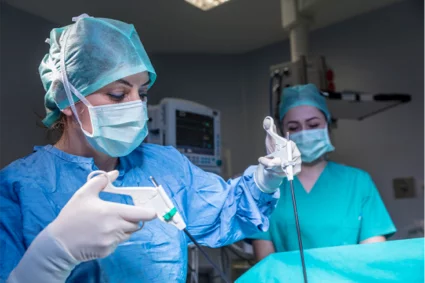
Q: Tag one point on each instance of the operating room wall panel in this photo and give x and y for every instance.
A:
(377, 52)
(22, 47)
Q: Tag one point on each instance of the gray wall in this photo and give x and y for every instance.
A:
(377, 52)
(22, 47)
(381, 51)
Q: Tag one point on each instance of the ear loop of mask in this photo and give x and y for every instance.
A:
(69, 88)
(57, 76)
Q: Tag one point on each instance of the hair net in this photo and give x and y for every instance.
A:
(303, 95)
(89, 54)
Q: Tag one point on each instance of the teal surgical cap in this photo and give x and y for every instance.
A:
(91, 53)
(302, 95)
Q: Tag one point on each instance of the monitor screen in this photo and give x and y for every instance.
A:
(194, 133)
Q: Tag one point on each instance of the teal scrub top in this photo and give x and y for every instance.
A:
(343, 208)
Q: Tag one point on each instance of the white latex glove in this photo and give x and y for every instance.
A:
(273, 161)
(269, 174)
(270, 141)
(90, 228)
(87, 228)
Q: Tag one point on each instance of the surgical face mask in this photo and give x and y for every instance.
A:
(312, 144)
(117, 129)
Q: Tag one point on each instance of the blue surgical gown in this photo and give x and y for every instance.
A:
(343, 208)
(217, 213)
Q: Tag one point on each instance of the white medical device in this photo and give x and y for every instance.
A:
(190, 127)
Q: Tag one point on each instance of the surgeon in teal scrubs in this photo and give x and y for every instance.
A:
(337, 204)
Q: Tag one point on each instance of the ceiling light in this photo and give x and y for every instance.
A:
(206, 4)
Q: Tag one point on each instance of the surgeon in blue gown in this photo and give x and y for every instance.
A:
(56, 226)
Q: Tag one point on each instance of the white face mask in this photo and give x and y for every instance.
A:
(312, 144)
(117, 128)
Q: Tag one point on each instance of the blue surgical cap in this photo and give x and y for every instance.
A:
(302, 95)
(95, 53)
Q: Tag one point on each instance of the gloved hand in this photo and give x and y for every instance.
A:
(270, 140)
(90, 228)
(270, 172)
(273, 161)
(85, 229)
